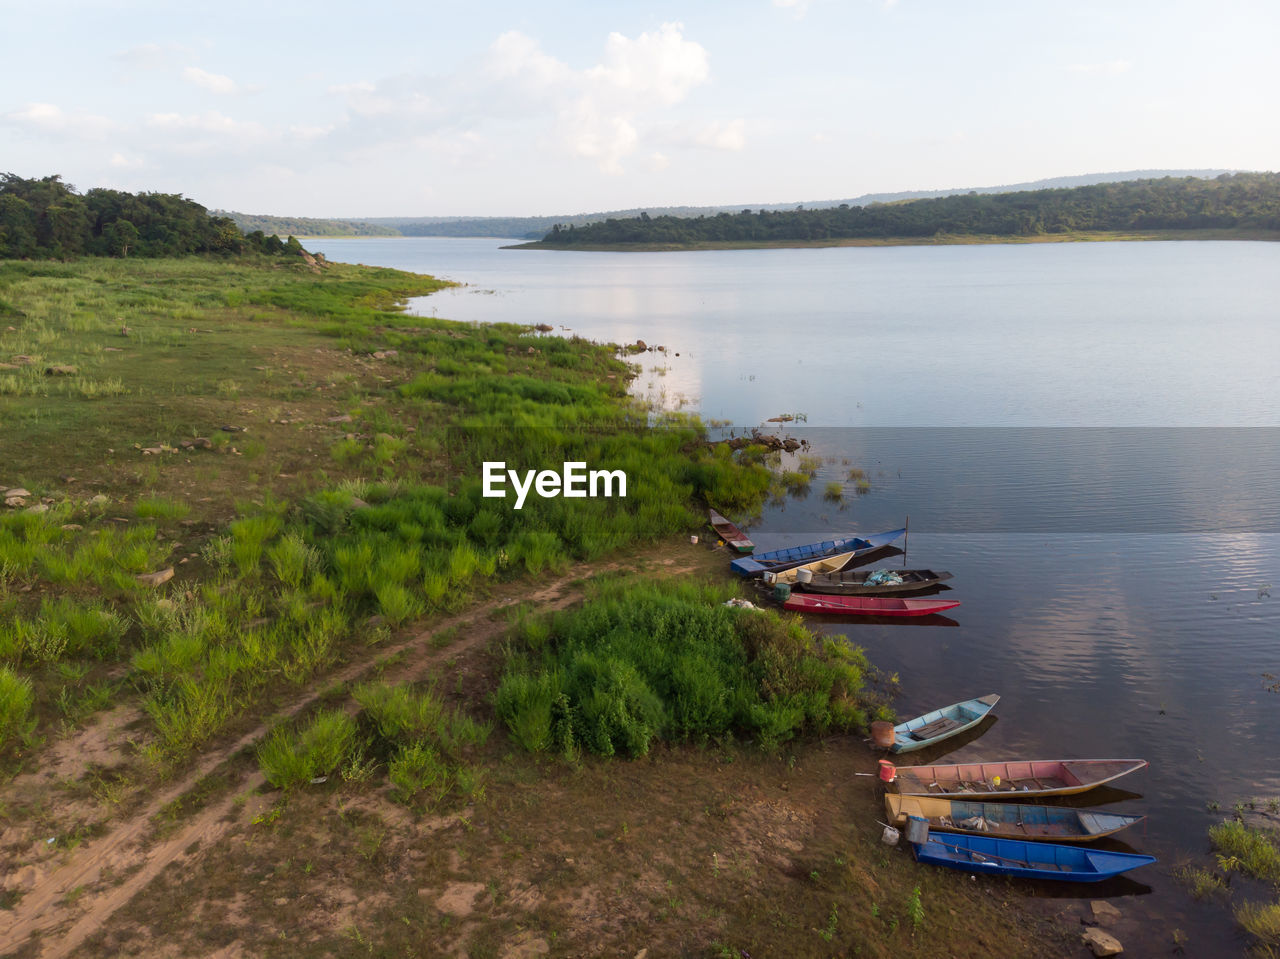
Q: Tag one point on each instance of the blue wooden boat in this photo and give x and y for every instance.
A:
(780, 559)
(1027, 821)
(1026, 860)
(934, 727)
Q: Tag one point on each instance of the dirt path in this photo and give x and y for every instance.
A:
(71, 902)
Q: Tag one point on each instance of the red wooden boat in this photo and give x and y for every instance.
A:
(867, 605)
(730, 533)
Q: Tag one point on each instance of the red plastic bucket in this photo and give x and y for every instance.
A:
(888, 771)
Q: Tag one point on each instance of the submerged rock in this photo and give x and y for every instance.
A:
(1102, 943)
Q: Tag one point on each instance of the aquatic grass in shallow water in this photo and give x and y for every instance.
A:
(1246, 848)
(1262, 921)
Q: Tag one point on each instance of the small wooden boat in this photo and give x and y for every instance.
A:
(799, 574)
(872, 582)
(867, 605)
(1028, 860)
(730, 533)
(1006, 820)
(780, 559)
(1013, 780)
(941, 724)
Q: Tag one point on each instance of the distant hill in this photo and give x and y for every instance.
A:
(1228, 202)
(536, 227)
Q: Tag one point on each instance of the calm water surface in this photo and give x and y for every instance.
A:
(1086, 435)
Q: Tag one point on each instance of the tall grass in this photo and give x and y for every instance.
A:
(16, 700)
(641, 662)
(290, 758)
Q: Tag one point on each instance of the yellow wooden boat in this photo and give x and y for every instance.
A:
(1001, 820)
(806, 572)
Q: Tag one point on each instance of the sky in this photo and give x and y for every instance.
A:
(538, 109)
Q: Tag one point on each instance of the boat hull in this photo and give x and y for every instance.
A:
(854, 582)
(1025, 821)
(727, 531)
(866, 605)
(1026, 860)
(941, 724)
(1013, 780)
(781, 559)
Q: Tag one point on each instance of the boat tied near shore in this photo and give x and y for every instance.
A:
(1027, 821)
(730, 533)
(999, 780)
(782, 559)
(941, 724)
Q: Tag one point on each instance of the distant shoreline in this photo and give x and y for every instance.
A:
(941, 239)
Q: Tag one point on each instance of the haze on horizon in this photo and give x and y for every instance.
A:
(331, 110)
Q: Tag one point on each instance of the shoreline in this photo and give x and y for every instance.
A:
(943, 239)
(772, 850)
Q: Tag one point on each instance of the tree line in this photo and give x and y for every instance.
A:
(47, 219)
(304, 225)
(1232, 201)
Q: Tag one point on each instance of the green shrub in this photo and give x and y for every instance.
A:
(417, 768)
(321, 748)
(645, 661)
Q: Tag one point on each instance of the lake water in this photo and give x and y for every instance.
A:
(1086, 435)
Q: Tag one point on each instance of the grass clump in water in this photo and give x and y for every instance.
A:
(1247, 849)
(1262, 921)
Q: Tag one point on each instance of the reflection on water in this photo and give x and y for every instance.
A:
(1115, 582)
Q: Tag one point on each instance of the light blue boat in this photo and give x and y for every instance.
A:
(780, 559)
(941, 724)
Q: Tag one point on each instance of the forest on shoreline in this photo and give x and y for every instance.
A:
(1236, 202)
(46, 218)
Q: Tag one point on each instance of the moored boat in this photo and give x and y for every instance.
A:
(873, 582)
(730, 533)
(806, 571)
(1028, 860)
(780, 559)
(1013, 780)
(934, 727)
(867, 605)
(1027, 821)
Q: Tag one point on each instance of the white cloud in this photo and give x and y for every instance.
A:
(663, 65)
(514, 56)
(213, 82)
(602, 112)
(51, 118)
(605, 139)
(658, 161)
(720, 135)
(801, 7)
(1107, 68)
(127, 161)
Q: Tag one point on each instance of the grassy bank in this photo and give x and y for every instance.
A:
(939, 239)
(245, 639)
(305, 455)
